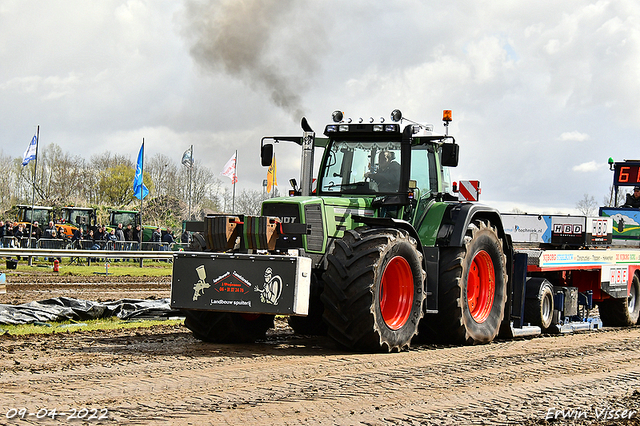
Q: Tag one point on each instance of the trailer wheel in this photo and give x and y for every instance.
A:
(227, 327)
(538, 305)
(473, 287)
(624, 311)
(373, 291)
(312, 324)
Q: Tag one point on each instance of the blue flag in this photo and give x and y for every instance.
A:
(139, 189)
(30, 153)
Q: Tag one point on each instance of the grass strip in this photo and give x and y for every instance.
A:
(70, 326)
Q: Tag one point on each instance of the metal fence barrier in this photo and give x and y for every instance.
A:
(91, 251)
(89, 255)
(66, 244)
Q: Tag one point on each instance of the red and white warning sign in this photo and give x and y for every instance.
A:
(469, 190)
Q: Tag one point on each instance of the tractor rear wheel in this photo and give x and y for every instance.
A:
(624, 311)
(473, 288)
(373, 292)
(227, 327)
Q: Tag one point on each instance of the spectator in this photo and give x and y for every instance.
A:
(95, 241)
(19, 233)
(128, 233)
(99, 234)
(137, 235)
(168, 239)
(2, 230)
(36, 232)
(119, 233)
(51, 228)
(77, 237)
(185, 237)
(156, 239)
(633, 200)
(8, 234)
(50, 235)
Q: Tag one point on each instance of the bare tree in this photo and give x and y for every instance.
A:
(7, 182)
(619, 200)
(587, 206)
(164, 175)
(249, 202)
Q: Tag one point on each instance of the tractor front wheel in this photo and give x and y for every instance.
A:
(312, 324)
(373, 292)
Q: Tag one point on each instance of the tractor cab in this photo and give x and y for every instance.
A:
(29, 214)
(72, 218)
(398, 168)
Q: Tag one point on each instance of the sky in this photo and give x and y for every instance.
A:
(542, 93)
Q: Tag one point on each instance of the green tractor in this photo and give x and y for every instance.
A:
(380, 252)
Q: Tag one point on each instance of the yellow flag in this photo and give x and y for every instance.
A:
(272, 180)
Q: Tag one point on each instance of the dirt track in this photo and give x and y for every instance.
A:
(25, 288)
(164, 376)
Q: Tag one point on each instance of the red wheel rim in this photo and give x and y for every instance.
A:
(481, 286)
(396, 293)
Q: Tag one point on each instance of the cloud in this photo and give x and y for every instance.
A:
(260, 42)
(574, 136)
(591, 166)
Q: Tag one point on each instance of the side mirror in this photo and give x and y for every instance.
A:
(450, 153)
(266, 154)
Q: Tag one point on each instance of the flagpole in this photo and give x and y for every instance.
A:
(33, 184)
(233, 205)
(190, 178)
(140, 235)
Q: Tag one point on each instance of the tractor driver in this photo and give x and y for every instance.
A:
(388, 175)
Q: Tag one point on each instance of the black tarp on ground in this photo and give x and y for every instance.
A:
(66, 308)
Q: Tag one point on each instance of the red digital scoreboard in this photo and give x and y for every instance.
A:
(627, 174)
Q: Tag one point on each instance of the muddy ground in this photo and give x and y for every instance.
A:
(162, 375)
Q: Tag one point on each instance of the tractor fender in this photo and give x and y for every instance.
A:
(388, 222)
(457, 218)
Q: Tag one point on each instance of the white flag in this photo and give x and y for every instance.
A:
(30, 153)
(229, 169)
(187, 157)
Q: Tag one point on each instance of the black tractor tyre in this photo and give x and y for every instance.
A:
(624, 311)
(312, 324)
(472, 291)
(198, 242)
(227, 327)
(538, 304)
(374, 290)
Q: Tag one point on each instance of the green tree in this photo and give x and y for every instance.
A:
(116, 185)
